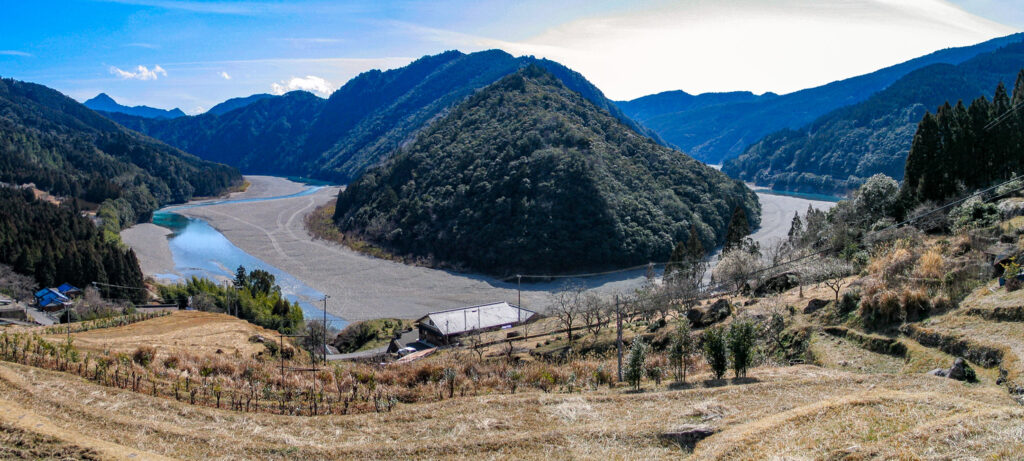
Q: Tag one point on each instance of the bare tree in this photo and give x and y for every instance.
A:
(737, 267)
(595, 314)
(18, 286)
(833, 273)
(566, 305)
(476, 343)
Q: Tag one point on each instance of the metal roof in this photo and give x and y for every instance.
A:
(464, 319)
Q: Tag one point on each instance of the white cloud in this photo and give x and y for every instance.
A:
(310, 83)
(14, 53)
(140, 73)
(225, 75)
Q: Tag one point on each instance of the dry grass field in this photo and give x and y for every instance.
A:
(793, 412)
(194, 332)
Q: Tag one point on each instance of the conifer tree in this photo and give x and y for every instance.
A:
(635, 367)
(739, 229)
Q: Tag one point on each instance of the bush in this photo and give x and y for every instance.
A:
(849, 302)
(637, 360)
(144, 355)
(973, 214)
(741, 337)
(715, 350)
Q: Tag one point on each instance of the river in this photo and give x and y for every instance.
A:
(200, 250)
(263, 228)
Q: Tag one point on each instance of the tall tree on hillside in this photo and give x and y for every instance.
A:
(739, 229)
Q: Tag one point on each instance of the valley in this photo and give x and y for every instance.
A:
(362, 287)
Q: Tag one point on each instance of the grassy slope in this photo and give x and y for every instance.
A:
(758, 420)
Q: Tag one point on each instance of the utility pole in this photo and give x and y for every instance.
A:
(325, 329)
(519, 296)
(618, 333)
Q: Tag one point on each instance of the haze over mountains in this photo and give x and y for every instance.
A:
(841, 149)
(360, 124)
(717, 126)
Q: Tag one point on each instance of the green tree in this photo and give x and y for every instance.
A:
(635, 366)
(738, 230)
(715, 352)
(796, 228)
(741, 339)
(681, 349)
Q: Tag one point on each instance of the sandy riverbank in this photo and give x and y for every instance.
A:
(362, 287)
(150, 244)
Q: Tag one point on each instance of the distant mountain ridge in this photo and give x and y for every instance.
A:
(358, 125)
(843, 148)
(237, 103)
(716, 132)
(103, 102)
(528, 175)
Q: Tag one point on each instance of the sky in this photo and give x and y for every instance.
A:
(194, 54)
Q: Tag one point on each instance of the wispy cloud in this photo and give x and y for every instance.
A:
(249, 8)
(140, 73)
(15, 53)
(225, 75)
(149, 46)
(310, 83)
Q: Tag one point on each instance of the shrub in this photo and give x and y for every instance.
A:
(915, 303)
(849, 302)
(172, 362)
(741, 337)
(972, 214)
(715, 350)
(930, 265)
(144, 355)
(636, 362)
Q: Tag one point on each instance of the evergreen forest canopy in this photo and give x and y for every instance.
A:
(254, 296)
(361, 123)
(961, 148)
(715, 127)
(55, 245)
(840, 150)
(68, 150)
(528, 175)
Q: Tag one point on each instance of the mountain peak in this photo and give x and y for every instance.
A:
(103, 102)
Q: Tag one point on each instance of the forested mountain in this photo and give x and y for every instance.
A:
(961, 148)
(237, 103)
(528, 175)
(716, 132)
(68, 150)
(841, 149)
(360, 124)
(263, 137)
(103, 102)
(56, 245)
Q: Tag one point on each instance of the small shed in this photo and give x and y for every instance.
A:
(443, 327)
(69, 290)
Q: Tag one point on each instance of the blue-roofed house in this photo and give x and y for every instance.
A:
(50, 299)
(69, 290)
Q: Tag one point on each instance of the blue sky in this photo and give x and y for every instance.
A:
(194, 54)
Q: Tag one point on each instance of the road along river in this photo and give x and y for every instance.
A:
(266, 224)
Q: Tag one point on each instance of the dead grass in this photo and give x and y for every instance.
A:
(182, 332)
(599, 424)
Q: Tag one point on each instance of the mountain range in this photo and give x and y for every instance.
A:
(358, 125)
(718, 126)
(103, 102)
(67, 149)
(841, 149)
(529, 175)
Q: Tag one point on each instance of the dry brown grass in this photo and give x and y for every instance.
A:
(182, 332)
(533, 425)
